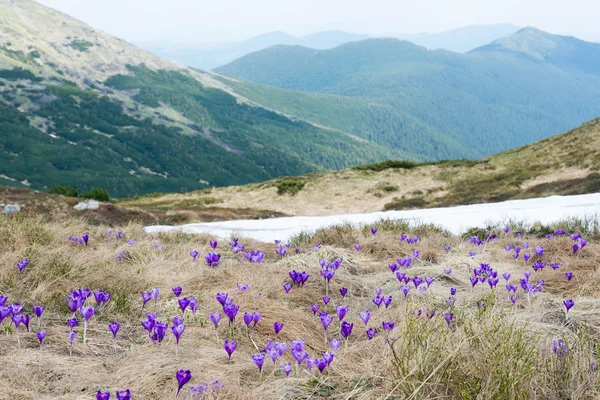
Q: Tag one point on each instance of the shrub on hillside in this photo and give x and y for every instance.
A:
(64, 190)
(96, 194)
(289, 186)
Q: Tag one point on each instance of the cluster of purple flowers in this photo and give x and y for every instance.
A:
(82, 240)
(409, 240)
(282, 248)
(482, 273)
(255, 256)
(299, 278)
(212, 259)
(236, 247)
(124, 394)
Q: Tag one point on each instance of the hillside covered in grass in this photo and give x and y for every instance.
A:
(560, 165)
(440, 104)
(406, 312)
(79, 107)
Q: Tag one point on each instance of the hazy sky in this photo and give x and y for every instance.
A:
(203, 21)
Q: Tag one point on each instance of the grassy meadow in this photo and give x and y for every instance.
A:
(476, 345)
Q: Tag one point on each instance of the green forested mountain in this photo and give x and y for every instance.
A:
(514, 91)
(79, 107)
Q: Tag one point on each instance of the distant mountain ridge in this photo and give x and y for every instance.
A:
(209, 58)
(463, 39)
(216, 55)
(562, 51)
(512, 92)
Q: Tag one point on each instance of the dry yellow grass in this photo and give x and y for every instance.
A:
(502, 351)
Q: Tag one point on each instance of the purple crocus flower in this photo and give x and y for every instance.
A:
(230, 346)
(259, 360)
(22, 265)
(448, 317)
(155, 293)
(194, 254)
(4, 312)
(321, 364)
(314, 308)
(231, 311)
(16, 308)
(38, 311)
(85, 238)
(341, 311)
(447, 249)
(371, 332)
(400, 275)
(405, 289)
(247, 319)
(213, 244)
(286, 368)
(177, 331)
(326, 300)
(41, 335)
(177, 291)
(569, 276)
(417, 281)
(125, 394)
(325, 320)
(72, 323)
(215, 318)
(114, 328)
(183, 377)
(365, 316)
(287, 287)
(452, 291)
(387, 300)
(377, 300)
(559, 347)
(100, 395)
(387, 326)
(256, 317)
(277, 327)
(87, 312)
(575, 248)
(221, 298)
(474, 280)
(346, 329)
(373, 231)
(160, 330)
(343, 291)
(555, 266)
(357, 247)
(146, 297)
(568, 305)
(429, 280)
(183, 302)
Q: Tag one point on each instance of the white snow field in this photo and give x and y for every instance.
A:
(455, 219)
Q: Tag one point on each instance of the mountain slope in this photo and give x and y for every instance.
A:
(485, 101)
(209, 57)
(560, 165)
(80, 107)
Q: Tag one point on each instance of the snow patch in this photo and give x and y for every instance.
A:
(455, 219)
